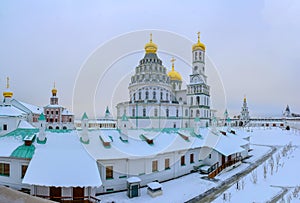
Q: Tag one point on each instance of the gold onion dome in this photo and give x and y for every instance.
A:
(150, 47)
(174, 75)
(198, 45)
(7, 93)
(54, 90)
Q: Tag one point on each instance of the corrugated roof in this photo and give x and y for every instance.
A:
(23, 151)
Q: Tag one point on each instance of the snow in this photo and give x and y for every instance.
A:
(154, 185)
(186, 187)
(10, 111)
(62, 162)
(176, 191)
(65, 112)
(8, 145)
(164, 142)
(133, 180)
(271, 184)
(34, 109)
(25, 125)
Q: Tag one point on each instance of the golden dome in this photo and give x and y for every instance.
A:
(150, 47)
(54, 90)
(174, 75)
(7, 93)
(198, 45)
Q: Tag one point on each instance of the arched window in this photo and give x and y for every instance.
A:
(167, 112)
(161, 96)
(154, 95)
(133, 112)
(147, 95)
(57, 128)
(186, 112)
(198, 100)
(191, 113)
(191, 100)
(144, 112)
(70, 120)
(197, 113)
(177, 112)
(140, 95)
(133, 96)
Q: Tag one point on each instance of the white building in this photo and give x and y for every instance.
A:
(156, 98)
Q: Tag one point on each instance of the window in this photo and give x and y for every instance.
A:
(147, 95)
(47, 112)
(144, 112)
(56, 112)
(198, 100)
(191, 100)
(167, 112)
(109, 172)
(161, 96)
(134, 97)
(154, 95)
(197, 113)
(133, 112)
(51, 112)
(4, 126)
(167, 163)
(140, 95)
(155, 112)
(167, 96)
(23, 170)
(154, 166)
(191, 113)
(177, 112)
(182, 161)
(186, 112)
(4, 169)
(209, 156)
(70, 120)
(191, 158)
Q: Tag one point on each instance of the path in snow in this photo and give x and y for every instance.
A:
(213, 193)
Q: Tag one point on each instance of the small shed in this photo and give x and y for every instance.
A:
(133, 187)
(154, 189)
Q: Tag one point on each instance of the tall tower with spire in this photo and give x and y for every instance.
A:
(54, 98)
(244, 118)
(198, 91)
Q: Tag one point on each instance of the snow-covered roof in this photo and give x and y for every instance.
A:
(133, 180)
(54, 106)
(10, 111)
(62, 162)
(66, 112)
(167, 140)
(154, 185)
(25, 125)
(34, 109)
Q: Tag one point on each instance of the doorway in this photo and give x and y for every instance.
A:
(78, 193)
(55, 193)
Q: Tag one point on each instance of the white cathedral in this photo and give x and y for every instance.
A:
(157, 99)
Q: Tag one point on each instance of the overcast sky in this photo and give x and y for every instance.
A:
(254, 45)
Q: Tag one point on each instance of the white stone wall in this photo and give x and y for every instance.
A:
(14, 180)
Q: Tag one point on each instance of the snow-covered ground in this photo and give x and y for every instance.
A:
(269, 183)
(284, 174)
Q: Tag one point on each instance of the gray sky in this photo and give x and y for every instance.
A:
(253, 44)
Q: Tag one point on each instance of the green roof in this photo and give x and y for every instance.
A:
(107, 110)
(22, 132)
(124, 117)
(42, 117)
(23, 151)
(84, 116)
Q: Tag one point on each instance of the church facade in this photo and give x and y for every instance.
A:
(157, 99)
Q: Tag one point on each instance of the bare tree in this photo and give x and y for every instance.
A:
(253, 176)
(265, 170)
(271, 163)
